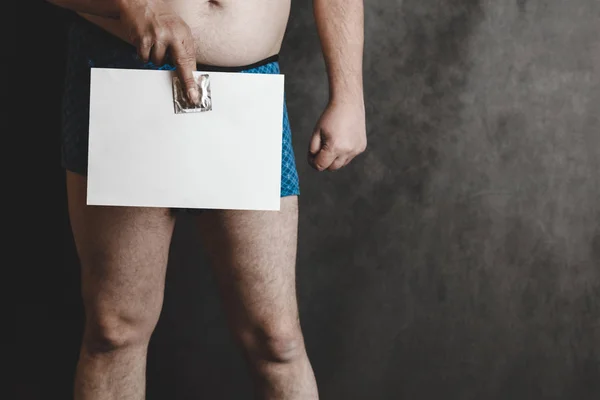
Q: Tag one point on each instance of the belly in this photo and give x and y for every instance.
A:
(226, 32)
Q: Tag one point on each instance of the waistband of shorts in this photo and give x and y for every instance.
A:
(215, 68)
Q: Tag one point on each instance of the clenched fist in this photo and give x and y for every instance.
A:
(339, 136)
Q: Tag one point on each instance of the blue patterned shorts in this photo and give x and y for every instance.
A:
(90, 46)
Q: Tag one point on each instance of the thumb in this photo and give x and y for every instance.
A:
(315, 143)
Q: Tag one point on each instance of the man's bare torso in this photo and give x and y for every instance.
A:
(226, 32)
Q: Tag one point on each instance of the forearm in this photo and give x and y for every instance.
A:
(101, 8)
(340, 24)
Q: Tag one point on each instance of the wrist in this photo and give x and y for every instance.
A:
(346, 92)
(352, 97)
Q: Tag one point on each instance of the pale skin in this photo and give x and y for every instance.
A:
(124, 251)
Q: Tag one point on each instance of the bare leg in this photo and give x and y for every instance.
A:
(123, 253)
(254, 259)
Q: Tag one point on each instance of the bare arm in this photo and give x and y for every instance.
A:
(340, 134)
(340, 24)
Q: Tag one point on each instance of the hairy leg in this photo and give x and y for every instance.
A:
(254, 258)
(123, 253)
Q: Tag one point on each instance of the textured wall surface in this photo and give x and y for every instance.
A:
(459, 257)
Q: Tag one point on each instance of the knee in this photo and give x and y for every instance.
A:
(273, 343)
(108, 332)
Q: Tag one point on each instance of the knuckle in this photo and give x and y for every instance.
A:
(145, 41)
(184, 29)
(168, 24)
(179, 32)
(161, 34)
(342, 148)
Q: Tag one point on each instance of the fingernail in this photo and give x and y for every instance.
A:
(194, 96)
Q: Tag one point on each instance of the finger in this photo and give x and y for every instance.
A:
(324, 159)
(158, 53)
(337, 164)
(185, 63)
(144, 46)
(315, 143)
(311, 160)
(349, 158)
(314, 147)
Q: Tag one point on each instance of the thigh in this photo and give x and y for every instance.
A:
(254, 258)
(123, 253)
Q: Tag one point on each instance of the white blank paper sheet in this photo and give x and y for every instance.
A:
(143, 154)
